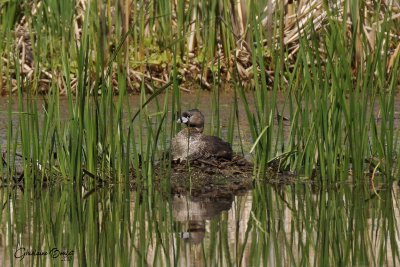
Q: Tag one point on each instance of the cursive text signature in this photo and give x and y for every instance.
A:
(63, 254)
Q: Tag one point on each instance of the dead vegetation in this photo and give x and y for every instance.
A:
(211, 42)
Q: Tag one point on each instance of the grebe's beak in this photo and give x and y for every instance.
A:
(183, 120)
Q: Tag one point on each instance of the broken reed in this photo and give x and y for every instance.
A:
(330, 87)
(340, 112)
(340, 103)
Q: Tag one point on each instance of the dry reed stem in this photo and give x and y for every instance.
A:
(299, 18)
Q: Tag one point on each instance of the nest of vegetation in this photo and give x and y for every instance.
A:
(146, 55)
(216, 177)
(205, 177)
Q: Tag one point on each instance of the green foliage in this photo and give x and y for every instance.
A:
(326, 113)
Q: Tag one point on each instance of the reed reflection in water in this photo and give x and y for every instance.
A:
(298, 224)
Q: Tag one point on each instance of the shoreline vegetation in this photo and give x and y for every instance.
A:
(335, 64)
(207, 43)
(85, 170)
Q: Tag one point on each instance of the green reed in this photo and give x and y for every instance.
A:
(325, 228)
(333, 122)
(327, 116)
(333, 128)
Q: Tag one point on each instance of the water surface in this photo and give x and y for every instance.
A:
(303, 223)
(297, 224)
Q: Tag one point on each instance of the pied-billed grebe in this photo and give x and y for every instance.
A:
(191, 143)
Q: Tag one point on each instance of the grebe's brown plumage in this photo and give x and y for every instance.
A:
(191, 143)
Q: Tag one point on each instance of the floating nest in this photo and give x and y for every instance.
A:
(210, 177)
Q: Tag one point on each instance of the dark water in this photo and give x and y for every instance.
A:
(342, 224)
(290, 225)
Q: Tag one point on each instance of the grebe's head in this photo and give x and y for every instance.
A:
(192, 118)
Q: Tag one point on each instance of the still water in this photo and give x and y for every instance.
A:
(341, 224)
(271, 226)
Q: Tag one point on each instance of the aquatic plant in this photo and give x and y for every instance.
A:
(315, 81)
